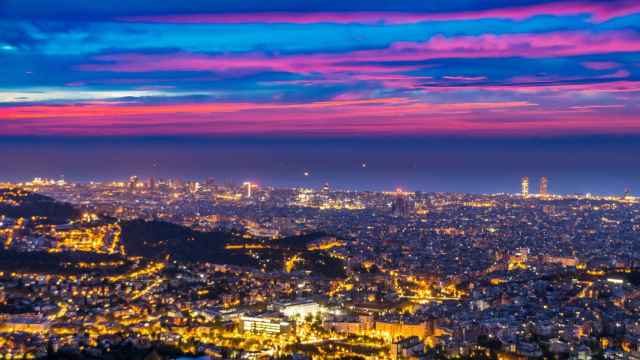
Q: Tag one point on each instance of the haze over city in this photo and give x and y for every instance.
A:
(603, 165)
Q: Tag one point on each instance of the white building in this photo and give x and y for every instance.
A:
(301, 309)
(264, 324)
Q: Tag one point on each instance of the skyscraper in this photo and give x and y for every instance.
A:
(325, 189)
(133, 182)
(248, 185)
(544, 186)
(402, 206)
(525, 186)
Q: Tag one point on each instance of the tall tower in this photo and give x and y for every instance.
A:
(401, 206)
(525, 186)
(544, 186)
(248, 185)
(133, 182)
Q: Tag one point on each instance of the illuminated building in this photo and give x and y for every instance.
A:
(544, 186)
(99, 239)
(248, 185)
(301, 309)
(324, 243)
(409, 348)
(133, 182)
(401, 206)
(397, 329)
(479, 204)
(264, 324)
(519, 259)
(26, 323)
(325, 189)
(193, 186)
(261, 232)
(524, 186)
(563, 261)
(345, 327)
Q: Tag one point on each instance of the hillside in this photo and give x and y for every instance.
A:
(163, 240)
(158, 239)
(16, 203)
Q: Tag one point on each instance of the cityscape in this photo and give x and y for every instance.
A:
(196, 268)
(319, 180)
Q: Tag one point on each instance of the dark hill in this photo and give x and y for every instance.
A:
(16, 203)
(299, 242)
(57, 263)
(157, 239)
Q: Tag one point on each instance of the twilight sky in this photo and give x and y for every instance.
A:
(503, 69)
(143, 67)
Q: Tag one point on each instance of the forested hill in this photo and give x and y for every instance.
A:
(159, 239)
(17, 203)
(162, 240)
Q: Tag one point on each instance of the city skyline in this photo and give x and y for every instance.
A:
(134, 182)
(449, 97)
(599, 165)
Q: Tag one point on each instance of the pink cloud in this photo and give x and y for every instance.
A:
(228, 63)
(439, 47)
(346, 115)
(597, 107)
(465, 78)
(341, 107)
(522, 121)
(523, 45)
(600, 65)
(616, 75)
(391, 81)
(533, 87)
(599, 11)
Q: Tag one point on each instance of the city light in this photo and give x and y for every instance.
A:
(320, 180)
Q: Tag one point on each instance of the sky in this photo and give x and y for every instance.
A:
(490, 72)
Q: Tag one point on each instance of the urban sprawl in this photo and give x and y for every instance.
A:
(169, 269)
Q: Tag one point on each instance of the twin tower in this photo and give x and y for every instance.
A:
(543, 189)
